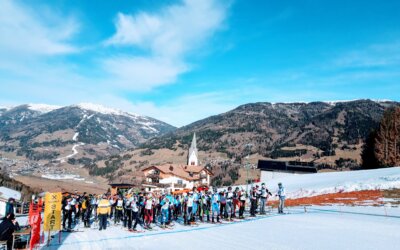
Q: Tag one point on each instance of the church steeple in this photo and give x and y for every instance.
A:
(193, 154)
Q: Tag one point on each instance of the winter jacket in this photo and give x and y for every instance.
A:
(104, 207)
(9, 208)
(281, 192)
(7, 228)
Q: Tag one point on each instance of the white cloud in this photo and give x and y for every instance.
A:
(25, 33)
(143, 73)
(376, 55)
(166, 37)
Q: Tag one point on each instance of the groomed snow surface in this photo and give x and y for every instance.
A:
(327, 227)
(318, 228)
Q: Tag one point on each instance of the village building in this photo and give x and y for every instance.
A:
(176, 177)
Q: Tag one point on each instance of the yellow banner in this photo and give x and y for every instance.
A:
(52, 212)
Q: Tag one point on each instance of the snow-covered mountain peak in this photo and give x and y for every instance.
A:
(102, 109)
(42, 108)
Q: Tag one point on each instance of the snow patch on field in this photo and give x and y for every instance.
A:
(74, 152)
(63, 177)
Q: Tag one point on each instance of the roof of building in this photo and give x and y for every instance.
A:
(283, 166)
(121, 185)
(182, 171)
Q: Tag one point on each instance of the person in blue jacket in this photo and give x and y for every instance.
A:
(195, 204)
(215, 200)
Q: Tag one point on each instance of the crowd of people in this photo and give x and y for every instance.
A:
(146, 209)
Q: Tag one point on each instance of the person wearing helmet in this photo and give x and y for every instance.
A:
(282, 195)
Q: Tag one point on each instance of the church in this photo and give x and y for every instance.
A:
(175, 177)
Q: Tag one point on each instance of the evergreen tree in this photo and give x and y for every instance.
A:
(387, 140)
(368, 157)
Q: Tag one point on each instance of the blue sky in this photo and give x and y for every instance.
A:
(180, 61)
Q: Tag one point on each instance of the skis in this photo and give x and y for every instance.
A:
(71, 231)
(136, 231)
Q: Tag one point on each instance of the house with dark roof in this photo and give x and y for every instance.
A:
(179, 176)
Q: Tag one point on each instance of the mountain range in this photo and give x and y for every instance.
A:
(116, 144)
(44, 132)
(329, 134)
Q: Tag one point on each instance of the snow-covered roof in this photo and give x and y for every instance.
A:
(43, 108)
(6, 193)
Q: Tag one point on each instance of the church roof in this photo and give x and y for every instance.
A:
(193, 146)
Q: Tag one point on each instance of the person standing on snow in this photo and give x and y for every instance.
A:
(86, 211)
(184, 208)
(264, 193)
(222, 205)
(229, 203)
(242, 198)
(135, 212)
(164, 211)
(67, 212)
(128, 211)
(215, 203)
(281, 194)
(253, 201)
(148, 211)
(190, 201)
(103, 211)
(119, 210)
(195, 204)
(236, 202)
